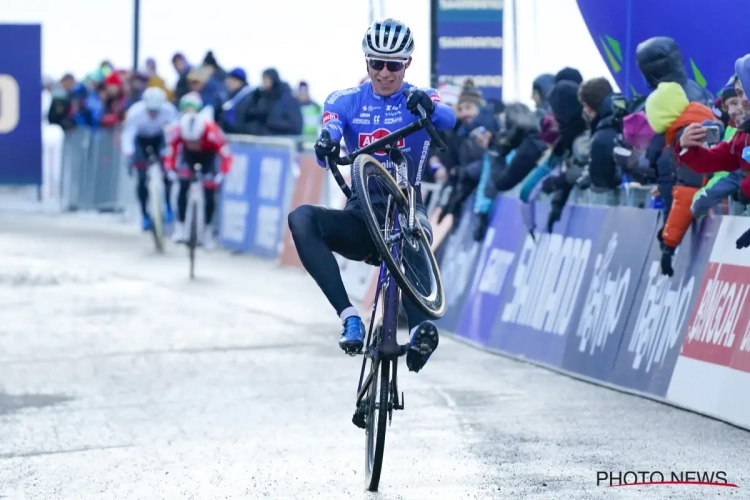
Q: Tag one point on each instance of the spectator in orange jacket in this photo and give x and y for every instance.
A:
(668, 111)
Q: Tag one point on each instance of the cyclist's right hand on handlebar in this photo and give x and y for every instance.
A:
(326, 147)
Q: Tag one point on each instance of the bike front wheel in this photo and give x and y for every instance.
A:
(157, 228)
(193, 238)
(376, 423)
(414, 267)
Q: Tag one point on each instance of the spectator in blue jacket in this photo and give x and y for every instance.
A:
(233, 114)
(275, 110)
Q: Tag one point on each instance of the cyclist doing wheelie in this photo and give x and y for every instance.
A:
(196, 140)
(144, 131)
(361, 115)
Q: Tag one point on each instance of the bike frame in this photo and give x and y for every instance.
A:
(196, 198)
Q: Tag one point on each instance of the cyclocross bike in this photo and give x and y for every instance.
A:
(156, 195)
(397, 234)
(195, 217)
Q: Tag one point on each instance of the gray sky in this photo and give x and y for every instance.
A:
(316, 41)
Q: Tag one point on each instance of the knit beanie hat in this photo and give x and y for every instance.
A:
(471, 94)
(742, 69)
(664, 105)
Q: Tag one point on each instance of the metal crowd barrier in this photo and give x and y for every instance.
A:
(94, 174)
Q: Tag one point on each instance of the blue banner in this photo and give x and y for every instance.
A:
(549, 278)
(458, 257)
(252, 199)
(708, 47)
(470, 44)
(20, 104)
(593, 341)
(499, 250)
(661, 312)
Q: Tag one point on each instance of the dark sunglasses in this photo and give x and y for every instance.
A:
(392, 66)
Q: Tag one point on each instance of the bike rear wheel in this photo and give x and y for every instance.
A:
(193, 237)
(157, 227)
(369, 175)
(378, 396)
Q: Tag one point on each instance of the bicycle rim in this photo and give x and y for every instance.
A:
(156, 220)
(428, 295)
(377, 418)
(193, 238)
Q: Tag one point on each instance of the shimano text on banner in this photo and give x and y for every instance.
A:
(470, 44)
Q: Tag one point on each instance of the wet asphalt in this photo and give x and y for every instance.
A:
(122, 379)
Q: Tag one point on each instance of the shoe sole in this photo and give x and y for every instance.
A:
(352, 347)
(426, 340)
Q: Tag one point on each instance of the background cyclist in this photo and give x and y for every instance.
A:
(359, 115)
(196, 140)
(144, 129)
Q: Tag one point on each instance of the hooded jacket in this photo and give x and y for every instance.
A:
(276, 111)
(567, 110)
(660, 60)
(543, 84)
(602, 167)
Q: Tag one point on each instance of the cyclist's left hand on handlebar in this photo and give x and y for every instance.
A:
(326, 147)
(172, 175)
(415, 98)
(219, 178)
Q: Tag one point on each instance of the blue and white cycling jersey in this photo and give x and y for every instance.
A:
(361, 117)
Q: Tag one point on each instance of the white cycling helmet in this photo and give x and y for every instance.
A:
(388, 38)
(192, 126)
(154, 98)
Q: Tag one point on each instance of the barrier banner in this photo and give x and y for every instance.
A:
(715, 357)
(619, 259)
(546, 283)
(253, 197)
(470, 44)
(20, 104)
(308, 190)
(458, 260)
(496, 258)
(660, 312)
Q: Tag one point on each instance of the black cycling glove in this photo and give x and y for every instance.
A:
(666, 261)
(416, 97)
(326, 147)
(744, 240)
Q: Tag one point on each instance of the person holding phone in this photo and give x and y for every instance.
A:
(693, 152)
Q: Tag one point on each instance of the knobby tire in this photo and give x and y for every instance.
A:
(366, 167)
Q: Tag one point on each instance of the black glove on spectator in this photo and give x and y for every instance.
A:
(554, 216)
(416, 97)
(480, 230)
(325, 147)
(741, 198)
(553, 183)
(666, 261)
(744, 240)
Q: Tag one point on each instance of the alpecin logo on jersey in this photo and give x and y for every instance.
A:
(367, 139)
(328, 116)
(435, 97)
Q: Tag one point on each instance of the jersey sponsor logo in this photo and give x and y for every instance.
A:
(328, 116)
(376, 119)
(435, 97)
(360, 121)
(367, 139)
(364, 115)
(398, 119)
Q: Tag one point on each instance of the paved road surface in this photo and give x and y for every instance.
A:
(120, 379)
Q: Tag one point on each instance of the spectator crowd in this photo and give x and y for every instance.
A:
(688, 145)
(102, 98)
